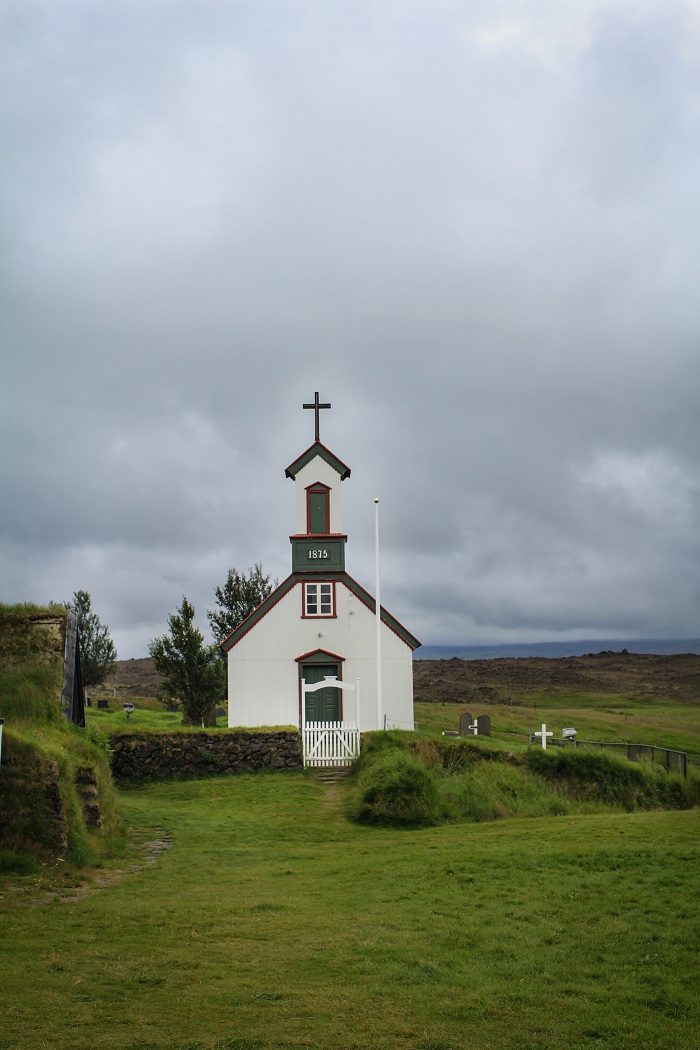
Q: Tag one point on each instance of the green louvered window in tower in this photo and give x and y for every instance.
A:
(318, 509)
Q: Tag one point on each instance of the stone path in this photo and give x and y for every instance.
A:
(332, 780)
(150, 849)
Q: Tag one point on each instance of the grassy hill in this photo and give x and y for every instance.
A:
(608, 697)
(674, 678)
(544, 917)
(56, 795)
(274, 922)
(461, 681)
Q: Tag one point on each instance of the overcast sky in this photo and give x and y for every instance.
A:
(474, 227)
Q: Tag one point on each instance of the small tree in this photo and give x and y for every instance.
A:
(237, 598)
(98, 654)
(192, 673)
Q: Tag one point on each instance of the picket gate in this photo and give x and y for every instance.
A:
(330, 743)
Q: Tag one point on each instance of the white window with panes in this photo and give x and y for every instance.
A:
(319, 599)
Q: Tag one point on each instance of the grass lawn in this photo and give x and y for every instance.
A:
(637, 717)
(274, 922)
(148, 714)
(640, 718)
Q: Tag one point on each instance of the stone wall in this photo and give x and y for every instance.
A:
(165, 755)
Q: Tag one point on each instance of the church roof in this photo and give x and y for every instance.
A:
(371, 603)
(317, 449)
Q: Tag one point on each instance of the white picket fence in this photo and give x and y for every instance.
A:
(330, 743)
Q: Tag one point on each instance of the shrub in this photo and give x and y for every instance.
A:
(396, 788)
(372, 743)
(14, 863)
(676, 792)
(606, 778)
(435, 753)
(405, 780)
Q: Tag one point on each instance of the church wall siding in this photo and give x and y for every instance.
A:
(317, 470)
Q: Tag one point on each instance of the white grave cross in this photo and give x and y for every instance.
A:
(475, 727)
(544, 733)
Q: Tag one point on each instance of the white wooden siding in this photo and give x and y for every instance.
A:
(263, 678)
(317, 470)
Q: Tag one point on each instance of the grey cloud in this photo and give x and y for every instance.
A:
(471, 230)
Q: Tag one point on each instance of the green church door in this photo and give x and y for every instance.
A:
(324, 704)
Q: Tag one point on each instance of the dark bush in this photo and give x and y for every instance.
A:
(612, 780)
(15, 863)
(580, 764)
(396, 788)
(405, 780)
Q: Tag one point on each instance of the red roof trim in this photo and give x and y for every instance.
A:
(286, 586)
(315, 652)
(396, 626)
(257, 614)
(318, 535)
(317, 449)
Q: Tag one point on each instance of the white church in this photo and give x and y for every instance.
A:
(319, 624)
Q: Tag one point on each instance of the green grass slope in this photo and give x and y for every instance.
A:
(405, 779)
(274, 922)
(639, 718)
(56, 796)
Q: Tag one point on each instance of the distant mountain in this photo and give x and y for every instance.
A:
(655, 646)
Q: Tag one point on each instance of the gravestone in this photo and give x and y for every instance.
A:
(465, 720)
(103, 703)
(220, 712)
(484, 725)
(172, 708)
(543, 734)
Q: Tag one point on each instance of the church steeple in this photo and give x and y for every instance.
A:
(317, 626)
(318, 544)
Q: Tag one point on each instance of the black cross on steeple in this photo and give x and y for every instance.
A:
(317, 406)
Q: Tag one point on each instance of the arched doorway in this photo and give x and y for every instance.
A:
(323, 705)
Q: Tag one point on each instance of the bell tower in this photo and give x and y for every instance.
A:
(318, 544)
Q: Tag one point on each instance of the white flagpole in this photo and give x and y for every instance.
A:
(378, 614)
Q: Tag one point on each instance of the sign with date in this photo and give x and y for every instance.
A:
(313, 555)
